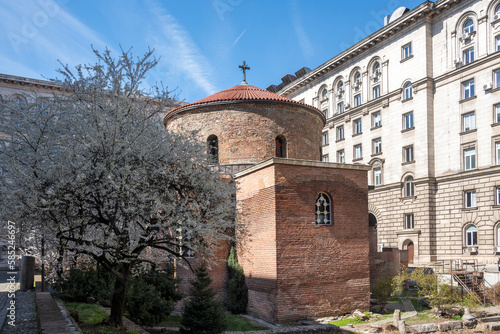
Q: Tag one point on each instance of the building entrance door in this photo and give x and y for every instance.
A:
(411, 250)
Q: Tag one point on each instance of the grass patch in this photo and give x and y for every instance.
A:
(235, 323)
(421, 317)
(90, 318)
(347, 321)
(87, 313)
(171, 321)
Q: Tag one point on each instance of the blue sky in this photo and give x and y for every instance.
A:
(200, 42)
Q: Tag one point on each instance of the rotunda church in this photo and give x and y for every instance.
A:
(307, 253)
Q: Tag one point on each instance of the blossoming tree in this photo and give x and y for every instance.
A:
(93, 169)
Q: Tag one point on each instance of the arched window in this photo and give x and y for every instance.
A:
(471, 236)
(407, 91)
(324, 94)
(409, 187)
(213, 148)
(468, 26)
(376, 71)
(323, 209)
(357, 81)
(497, 10)
(18, 99)
(340, 87)
(498, 236)
(280, 147)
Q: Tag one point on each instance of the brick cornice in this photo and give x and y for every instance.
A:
(303, 163)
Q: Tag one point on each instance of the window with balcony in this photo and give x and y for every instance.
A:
(376, 92)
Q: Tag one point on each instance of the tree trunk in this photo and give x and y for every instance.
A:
(119, 295)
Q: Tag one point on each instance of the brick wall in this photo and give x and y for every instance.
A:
(247, 131)
(317, 270)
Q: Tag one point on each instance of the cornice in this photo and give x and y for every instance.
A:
(426, 10)
(415, 15)
(468, 67)
(12, 79)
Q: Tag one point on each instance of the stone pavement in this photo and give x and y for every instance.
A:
(53, 319)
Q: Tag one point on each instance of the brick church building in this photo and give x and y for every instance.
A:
(307, 254)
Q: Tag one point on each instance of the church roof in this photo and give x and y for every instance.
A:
(238, 94)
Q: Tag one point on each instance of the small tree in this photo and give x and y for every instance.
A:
(429, 287)
(382, 290)
(238, 290)
(151, 296)
(202, 314)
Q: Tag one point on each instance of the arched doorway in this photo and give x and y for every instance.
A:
(411, 252)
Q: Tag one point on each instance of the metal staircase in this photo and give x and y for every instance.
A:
(467, 275)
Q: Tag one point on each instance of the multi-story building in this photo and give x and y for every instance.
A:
(419, 101)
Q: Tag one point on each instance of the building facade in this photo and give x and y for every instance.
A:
(419, 101)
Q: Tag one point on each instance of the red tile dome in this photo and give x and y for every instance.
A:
(240, 93)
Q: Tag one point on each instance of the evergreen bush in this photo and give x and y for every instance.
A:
(238, 290)
(202, 313)
(151, 296)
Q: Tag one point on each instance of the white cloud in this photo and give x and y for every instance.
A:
(39, 33)
(179, 50)
(300, 32)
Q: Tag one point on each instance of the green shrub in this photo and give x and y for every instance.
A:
(202, 314)
(86, 282)
(151, 296)
(382, 290)
(238, 290)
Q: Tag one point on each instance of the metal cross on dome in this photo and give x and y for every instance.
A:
(244, 67)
